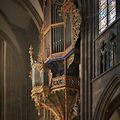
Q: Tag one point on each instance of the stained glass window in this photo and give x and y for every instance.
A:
(101, 2)
(102, 15)
(107, 13)
(111, 11)
(103, 24)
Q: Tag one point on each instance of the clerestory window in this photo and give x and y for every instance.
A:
(107, 13)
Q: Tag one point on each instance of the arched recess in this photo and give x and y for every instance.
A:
(7, 35)
(113, 106)
(105, 100)
(6, 31)
(14, 45)
(18, 75)
(11, 65)
(12, 69)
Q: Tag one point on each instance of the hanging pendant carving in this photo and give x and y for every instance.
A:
(76, 21)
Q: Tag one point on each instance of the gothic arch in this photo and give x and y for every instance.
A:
(12, 56)
(33, 14)
(105, 98)
(7, 34)
(13, 44)
(114, 105)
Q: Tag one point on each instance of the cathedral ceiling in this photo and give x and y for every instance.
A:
(37, 6)
(21, 12)
(19, 17)
(14, 13)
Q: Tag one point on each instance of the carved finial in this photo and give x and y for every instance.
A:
(31, 54)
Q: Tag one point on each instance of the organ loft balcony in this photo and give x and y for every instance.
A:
(55, 74)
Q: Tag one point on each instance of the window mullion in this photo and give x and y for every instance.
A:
(107, 12)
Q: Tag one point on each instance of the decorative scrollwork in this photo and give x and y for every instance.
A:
(70, 8)
(76, 21)
(70, 60)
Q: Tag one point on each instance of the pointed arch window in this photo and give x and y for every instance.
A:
(111, 57)
(112, 53)
(103, 58)
(107, 13)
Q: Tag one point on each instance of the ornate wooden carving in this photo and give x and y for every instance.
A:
(70, 8)
(31, 54)
(41, 50)
(61, 93)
